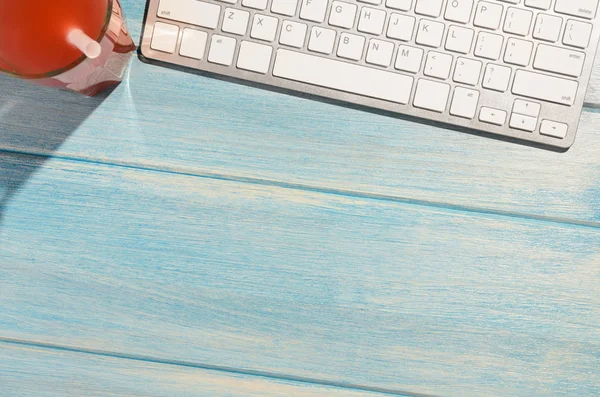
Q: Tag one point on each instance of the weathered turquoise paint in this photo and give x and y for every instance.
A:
(286, 281)
(188, 220)
(165, 119)
(31, 371)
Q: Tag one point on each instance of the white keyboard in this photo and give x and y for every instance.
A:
(513, 68)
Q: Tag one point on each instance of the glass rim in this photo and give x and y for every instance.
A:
(77, 62)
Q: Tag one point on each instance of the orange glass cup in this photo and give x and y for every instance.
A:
(36, 43)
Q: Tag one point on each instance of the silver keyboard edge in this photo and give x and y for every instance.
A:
(568, 115)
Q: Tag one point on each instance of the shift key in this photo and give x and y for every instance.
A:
(193, 12)
(544, 87)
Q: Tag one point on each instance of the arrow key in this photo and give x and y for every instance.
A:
(526, 108)
(554, 129)
(523, 123)
(492, 116)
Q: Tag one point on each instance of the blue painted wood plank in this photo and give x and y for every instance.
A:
(285, 281)
(32, 371)
(176, 121)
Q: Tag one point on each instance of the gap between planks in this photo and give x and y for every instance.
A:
(216, 368)
(313, 189)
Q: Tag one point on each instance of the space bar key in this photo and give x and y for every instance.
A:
(342, 76)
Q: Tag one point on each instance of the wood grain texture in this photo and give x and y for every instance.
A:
(349, 290)
(293, 274)
(170, 120)
(31, 371)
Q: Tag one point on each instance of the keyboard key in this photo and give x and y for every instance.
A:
(293, 34)
(491, 61)
(430, 33)
(539, 4)
(380, 52)
(190, 11)
(459, 11)
(518, 21)
(431, 8)
(464, 103)
(402, 5)
(554, 129)
(518, 52)
(401, 27)
(496, 77)
(343, 76)
(431, 95)
(264, 27)
(342, 14)
(256, 4)
(527, 108)
(254, 57)
(164, 37)
(459, 39)
(284, 7)
(371, 20)
(467, 71)
(221, 50)
(577, 34)
(313, 10)
(492, 116)
(321, 40)
(235, 21)
(547, 27)
(438, 65)
(544, 87)
(351, 46)
(488, 45)
(523, 123)
(579, 8)
(559, 60)
(193, 43)
(409, 59)
(488, 15)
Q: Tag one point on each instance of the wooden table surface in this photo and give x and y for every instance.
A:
(185, 236)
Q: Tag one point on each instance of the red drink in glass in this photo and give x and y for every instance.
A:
(34, 44)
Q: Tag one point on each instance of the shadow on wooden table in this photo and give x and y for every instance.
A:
(34, 122)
